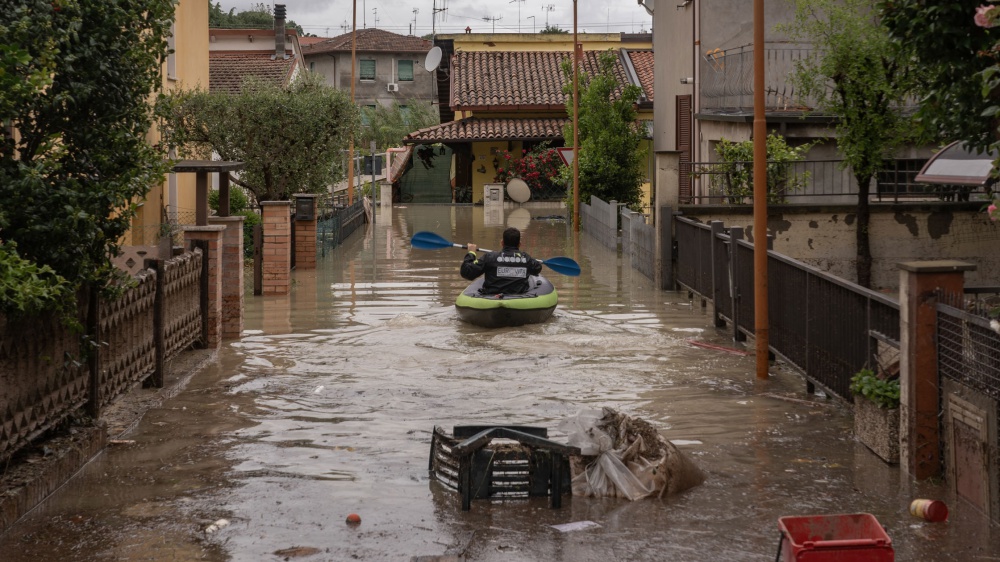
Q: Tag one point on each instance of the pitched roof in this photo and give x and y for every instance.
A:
(642, 61)
(370, 40)
(517, 79)
(226, 71)
(478, 129)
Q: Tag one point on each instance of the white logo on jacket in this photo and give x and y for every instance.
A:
(514, 272)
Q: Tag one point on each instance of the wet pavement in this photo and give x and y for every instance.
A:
(325, 408)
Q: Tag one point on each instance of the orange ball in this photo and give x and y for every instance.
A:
(354, 518)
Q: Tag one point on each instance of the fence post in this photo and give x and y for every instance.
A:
(159, 345)
(613, 225)
(716, 231)
(665, 251)
(258, 260)
(735, 235)
(919, 383)
(94, 353)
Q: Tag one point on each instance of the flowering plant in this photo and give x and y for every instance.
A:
(539, 168)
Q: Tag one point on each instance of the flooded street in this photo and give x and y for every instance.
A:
(326, 405)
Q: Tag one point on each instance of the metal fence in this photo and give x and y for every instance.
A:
(638, 242)
(600, 220)
(821, 181)
(335, 223)
(825, 326)
(968, 346)
(727, 78)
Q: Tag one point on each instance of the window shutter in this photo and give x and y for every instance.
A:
(684, 146)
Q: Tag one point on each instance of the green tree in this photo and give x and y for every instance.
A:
(611, 158)
(259, 16)
(76, 77)
(553, 30)
(289, 137)
(951, 87)
(859, 75)
(388, 124)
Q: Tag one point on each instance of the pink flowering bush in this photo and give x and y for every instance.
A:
(539, 168)
(986, 16)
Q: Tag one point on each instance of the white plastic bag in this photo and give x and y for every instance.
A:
(624, 457)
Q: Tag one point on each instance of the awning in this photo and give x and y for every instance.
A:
(958, 164)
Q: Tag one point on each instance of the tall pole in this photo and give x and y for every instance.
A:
(354, 64)
(761, 321)
(576, 126)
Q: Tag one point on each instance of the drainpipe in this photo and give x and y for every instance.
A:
(279, 32)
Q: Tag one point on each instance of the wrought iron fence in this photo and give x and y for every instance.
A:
(823, 325)
(335, 223)
(821, 181)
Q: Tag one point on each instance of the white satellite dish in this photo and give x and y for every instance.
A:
(518, 191)
(433, 59)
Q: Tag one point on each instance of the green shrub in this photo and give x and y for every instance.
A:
(736, 179)
(27, 288)
(250, 219)
(883, 392)
(238, 200)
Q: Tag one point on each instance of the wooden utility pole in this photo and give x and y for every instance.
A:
(354, 64)
(761, 320)
(576, 126)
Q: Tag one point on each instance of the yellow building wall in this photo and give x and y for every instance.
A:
(189, 70)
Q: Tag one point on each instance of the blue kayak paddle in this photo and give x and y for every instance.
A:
(425, 240)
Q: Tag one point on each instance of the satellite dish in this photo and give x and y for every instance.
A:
(433, 59)
(518, 191)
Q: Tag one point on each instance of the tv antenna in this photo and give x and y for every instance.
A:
(345, 26)
(415, 12)
(548, 9)
(493, 19)
(519, 2)
(435, 11)
(375, 11)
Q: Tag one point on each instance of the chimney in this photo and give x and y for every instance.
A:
(279, 32)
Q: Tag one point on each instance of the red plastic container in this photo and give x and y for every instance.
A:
(854, 537)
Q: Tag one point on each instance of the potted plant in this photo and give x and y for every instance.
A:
(876, 413)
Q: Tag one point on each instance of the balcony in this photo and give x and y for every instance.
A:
(727, 80)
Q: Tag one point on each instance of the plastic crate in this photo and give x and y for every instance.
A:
(854, 537)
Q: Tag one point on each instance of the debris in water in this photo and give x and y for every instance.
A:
(296, 551)
(318, 389)
(353, 519)
(221, 523)
(575, 526)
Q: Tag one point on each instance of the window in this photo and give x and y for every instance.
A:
(405, 68)
(312, 66)
(171, 55)
(367, 69)
(366, 111)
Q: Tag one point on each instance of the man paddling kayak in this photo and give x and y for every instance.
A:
(506, 271)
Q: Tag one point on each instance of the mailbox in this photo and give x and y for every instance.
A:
(305, 208)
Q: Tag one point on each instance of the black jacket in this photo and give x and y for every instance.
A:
(506, 271)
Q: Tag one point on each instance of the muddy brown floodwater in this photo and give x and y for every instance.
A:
(326, 404)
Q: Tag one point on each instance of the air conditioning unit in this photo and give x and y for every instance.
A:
(392, 88)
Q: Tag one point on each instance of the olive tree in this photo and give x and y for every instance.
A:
(290, 137)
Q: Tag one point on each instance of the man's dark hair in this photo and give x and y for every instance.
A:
(512, 237)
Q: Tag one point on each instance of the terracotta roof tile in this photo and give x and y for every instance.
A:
(642, 61)
(226, 71)
(370, 40)
(477, 129)
(509, 79)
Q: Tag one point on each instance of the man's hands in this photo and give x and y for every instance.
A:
(471, 247)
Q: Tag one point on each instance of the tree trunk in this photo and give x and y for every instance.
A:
(863, 263)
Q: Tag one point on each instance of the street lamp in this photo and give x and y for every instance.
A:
(576, 126)
(532, 18)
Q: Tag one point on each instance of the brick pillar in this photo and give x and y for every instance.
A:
(305, 231)
(232, 275)
(210, 238)
(277, 247)
(920, 392)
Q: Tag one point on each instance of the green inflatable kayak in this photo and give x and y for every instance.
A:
(496, 311)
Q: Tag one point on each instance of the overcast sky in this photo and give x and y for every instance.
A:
(328, 18)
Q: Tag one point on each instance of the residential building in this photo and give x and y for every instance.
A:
(505, 93)
(390, 67)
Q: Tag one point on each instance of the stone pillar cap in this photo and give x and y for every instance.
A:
(936, 266)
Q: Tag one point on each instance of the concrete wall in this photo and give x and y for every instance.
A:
(824, 237)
